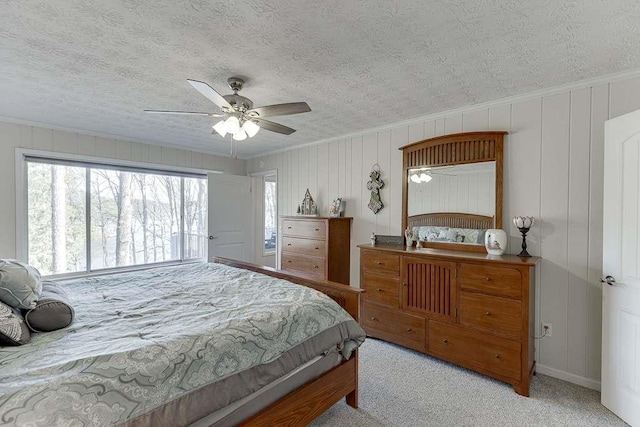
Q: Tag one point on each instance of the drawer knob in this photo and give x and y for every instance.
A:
(379, 262)
(488, 313)
(289, 261)
(288, 244)
(317, 229)
(288, 228)
(408, 329)
(488, 278)
(373, 318)
(404, 284)
(445, 340)
(317, 248)
(378, 289)
(315, 266)
(497, 356)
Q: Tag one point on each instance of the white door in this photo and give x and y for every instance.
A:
(621, 266)
(230, 217)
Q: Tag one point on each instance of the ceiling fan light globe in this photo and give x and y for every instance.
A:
(241, 135)
(415, 178)
(250, 128)
(232, 125)
(221, 128)
(424, 177)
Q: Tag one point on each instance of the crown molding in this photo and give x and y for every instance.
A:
(580, 84)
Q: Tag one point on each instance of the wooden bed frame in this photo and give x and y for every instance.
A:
(454, 220)
(306, 403)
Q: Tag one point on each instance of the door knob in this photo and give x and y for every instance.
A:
(212, 237)
(609, 280)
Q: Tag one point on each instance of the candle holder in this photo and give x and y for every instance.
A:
(524, 224)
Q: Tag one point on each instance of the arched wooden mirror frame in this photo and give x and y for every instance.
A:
(447, 150)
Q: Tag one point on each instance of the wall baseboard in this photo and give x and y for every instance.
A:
(566, 376)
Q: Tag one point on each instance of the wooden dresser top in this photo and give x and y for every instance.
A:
(457, 255)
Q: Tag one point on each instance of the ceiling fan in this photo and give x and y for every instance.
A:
(239, 118)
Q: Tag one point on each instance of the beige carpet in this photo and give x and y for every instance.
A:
(400, 387)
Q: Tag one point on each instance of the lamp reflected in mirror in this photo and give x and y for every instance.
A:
(420, 175)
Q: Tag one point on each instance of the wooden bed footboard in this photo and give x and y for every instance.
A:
(304, 404)
(346, 296)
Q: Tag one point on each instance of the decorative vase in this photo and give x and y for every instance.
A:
(495, 240)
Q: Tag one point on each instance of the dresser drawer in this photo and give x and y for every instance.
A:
(380, 289)
(380, 263)
(491, 314)
(475, 350)
(306, 264)
(308, 228)
(503, 281)
(303, 246)
(397, 327)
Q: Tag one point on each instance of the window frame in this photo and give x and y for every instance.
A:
(262, 175)
(274, 250)
(22, 232)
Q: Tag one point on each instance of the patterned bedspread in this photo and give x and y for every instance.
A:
(145, 338)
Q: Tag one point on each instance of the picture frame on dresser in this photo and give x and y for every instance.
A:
(452, 300)
(337, 208)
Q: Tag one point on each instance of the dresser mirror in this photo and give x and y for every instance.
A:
(452, 189)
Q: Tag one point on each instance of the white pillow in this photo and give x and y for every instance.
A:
(447, 235)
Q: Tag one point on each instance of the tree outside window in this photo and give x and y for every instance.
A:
(135, 218)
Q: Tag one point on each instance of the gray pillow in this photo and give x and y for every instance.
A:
(20, 284)
(13, 329)
(52, 311)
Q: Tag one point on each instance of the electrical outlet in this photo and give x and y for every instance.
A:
(546, 329)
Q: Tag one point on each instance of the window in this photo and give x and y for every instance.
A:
(270, 214)
(84, 217)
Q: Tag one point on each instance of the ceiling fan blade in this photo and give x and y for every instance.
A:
(281, 109)
(210, 93)
(273, 127)
(192, 113)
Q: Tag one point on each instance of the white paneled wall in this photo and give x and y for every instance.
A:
(14, 136)
(553, 170)
(471, 192)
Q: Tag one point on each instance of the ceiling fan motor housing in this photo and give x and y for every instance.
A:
(239, 102)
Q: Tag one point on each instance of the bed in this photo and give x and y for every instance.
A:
(221, 343)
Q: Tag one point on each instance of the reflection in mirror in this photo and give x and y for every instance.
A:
(465, 192)
(468, 188)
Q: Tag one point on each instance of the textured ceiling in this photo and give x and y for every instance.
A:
(95, 65)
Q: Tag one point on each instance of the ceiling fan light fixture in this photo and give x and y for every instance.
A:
(425, 177)
(250, 128)
(232, 125)
(415, 178)
(221, 128)
(241, 135)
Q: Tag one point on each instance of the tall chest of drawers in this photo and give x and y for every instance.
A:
(317, 247)
(470, 309)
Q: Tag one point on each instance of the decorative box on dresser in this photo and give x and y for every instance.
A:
(317, 247)
(471, 309)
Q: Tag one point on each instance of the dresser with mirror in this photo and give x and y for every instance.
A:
(444, 295)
